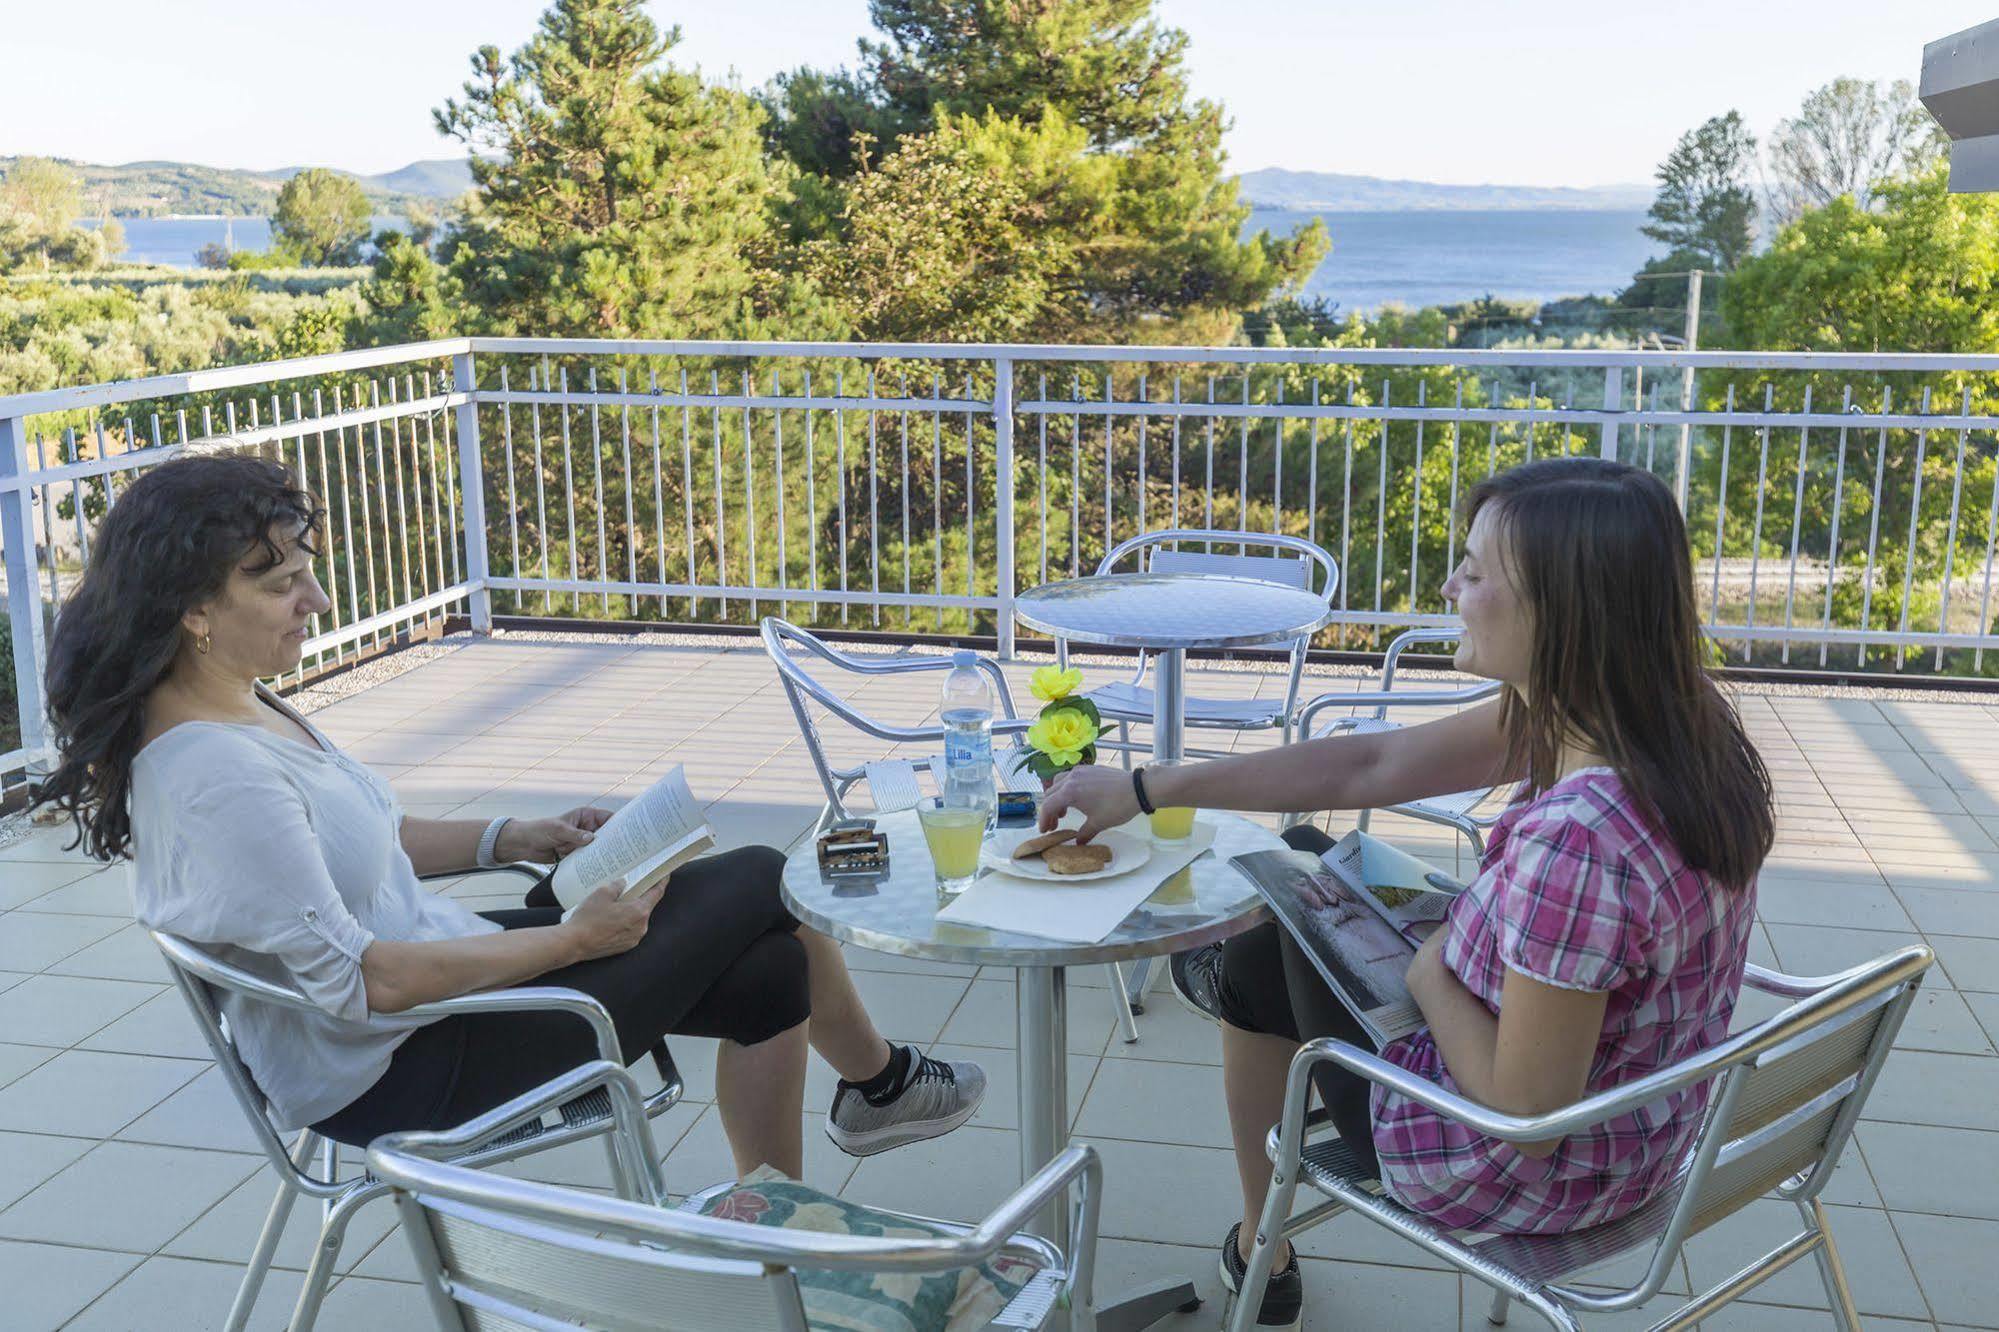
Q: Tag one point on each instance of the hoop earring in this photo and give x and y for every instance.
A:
(203, 644)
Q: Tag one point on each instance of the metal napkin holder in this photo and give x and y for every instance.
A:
(853, 848)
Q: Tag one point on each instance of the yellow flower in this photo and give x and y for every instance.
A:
(1062, 735)
(1052, 682)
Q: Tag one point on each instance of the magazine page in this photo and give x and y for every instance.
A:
(1357, 952)
(1400, 888)
(661, 819)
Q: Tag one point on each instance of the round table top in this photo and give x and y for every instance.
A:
(897, 913)
(1172, 610)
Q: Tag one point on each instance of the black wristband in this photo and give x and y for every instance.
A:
(1138, 789)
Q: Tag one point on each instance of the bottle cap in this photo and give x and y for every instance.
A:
(965, 657)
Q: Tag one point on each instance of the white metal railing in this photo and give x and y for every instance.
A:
(903, 486)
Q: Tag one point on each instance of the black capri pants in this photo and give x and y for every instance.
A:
(721, 958)
(1269, 986)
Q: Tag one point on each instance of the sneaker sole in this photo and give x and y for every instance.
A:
(876, 1141)
(1228, 1305)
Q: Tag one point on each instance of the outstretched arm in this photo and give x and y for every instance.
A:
(1456, 753)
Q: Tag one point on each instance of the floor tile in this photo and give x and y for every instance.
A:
(1156, 1102)
(908, 1007)
(358, 1304)
(1875, 1268)
(108, 892)
(961, 1176)
(701, 1157)
(47, 1283)
(16, 1060)
(1001, 1108)
(30, 942)
(27, 1159)
(129, 954)
(1920, 1168)
(125, 1196)
(1972, 964)
(1953, 1261)
(23, 881)
(90, 1094)
(160, 1026)
(227, 1232)
(1921, 1087)
(62, 1010)
(186, 1295)
(202, 1114)
(988, 1016)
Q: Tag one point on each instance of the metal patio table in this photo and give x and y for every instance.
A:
(897, 913)
(1165, 614)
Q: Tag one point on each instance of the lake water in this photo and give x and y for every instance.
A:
(1416, 258)
(1435, 258)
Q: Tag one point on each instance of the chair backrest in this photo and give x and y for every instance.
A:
(486, 1266)
(782, 640)
(1788, 1093)
(200, 976)
(1290, 561)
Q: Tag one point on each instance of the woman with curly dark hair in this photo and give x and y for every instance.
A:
(252, 835)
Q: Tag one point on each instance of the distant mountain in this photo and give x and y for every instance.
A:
(1324, 191)
(152, 189)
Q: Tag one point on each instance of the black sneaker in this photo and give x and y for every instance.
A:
(1197, 980)
(1283, 1295)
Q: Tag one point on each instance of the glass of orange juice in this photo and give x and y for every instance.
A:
(1170, 823)
(954, 835)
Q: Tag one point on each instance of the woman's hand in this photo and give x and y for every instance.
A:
(545, 841)
(1104, 795)
(605, 924)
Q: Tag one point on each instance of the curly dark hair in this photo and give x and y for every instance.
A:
(167, 545)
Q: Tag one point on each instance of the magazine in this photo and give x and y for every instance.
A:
(1361, 940)
(660, 830)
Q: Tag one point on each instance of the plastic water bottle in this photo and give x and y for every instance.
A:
(967, 714)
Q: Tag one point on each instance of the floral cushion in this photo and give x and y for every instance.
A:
(964, 1298)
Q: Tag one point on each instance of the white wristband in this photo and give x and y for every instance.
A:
(489, 842)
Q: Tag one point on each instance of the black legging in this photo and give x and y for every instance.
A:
(1268, 985)
(721, 958)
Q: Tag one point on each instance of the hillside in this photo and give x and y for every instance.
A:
(1315, 191)
(153, 189)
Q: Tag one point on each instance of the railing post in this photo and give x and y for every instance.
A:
(24, 594)
(1003, 498)
(472, 481)
(1613, 401)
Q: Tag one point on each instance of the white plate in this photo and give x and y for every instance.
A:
(1127, 853)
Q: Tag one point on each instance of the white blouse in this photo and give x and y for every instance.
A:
(285, 861)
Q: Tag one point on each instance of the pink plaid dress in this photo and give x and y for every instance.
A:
(1580, 888)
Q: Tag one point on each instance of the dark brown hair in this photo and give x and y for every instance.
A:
(1599, 551)
(168, 545)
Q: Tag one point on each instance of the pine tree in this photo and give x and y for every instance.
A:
(1160, 256)
(615, 194)
(1704, 203)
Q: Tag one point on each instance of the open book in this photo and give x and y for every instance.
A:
(647, 840)
(1359, 912)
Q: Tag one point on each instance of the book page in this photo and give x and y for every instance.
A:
(1360, 956)
(661, 816)
(1397, 885)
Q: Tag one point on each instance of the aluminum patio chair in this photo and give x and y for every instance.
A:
(1786, 1094)
(893, 783)
(1467, 812)
(199, 975)
(495, 1252)
(1292, 562)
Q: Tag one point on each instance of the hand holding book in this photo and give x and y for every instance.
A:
(660, 830)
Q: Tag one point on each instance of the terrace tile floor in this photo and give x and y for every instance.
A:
(128, 1194)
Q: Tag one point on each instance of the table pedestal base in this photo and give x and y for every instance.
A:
(1041, 1005)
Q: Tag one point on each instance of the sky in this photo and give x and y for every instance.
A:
(1525, 92)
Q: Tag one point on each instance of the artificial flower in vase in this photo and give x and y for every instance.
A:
(1065, 732)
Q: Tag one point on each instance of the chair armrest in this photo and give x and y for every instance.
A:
(442, 1144)
(526, 868)
(532, 999)
(1382, 700)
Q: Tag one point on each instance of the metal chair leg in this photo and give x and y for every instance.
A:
(1838, 1294)
(267, 1239)
(1127, 1022)
(1496, 1315)
(319, 1275)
